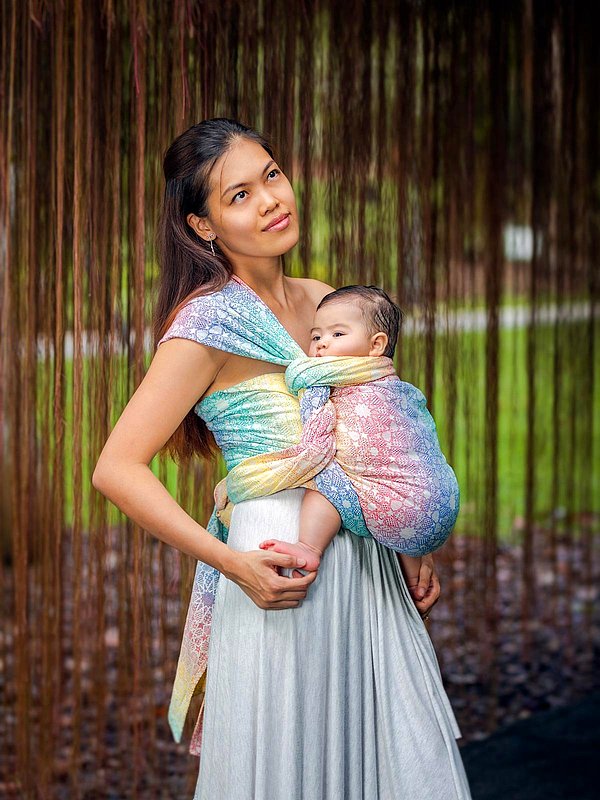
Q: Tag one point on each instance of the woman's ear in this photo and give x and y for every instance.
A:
(378, 343)
(199, 225)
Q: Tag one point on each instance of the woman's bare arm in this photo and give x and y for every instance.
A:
(178, 376)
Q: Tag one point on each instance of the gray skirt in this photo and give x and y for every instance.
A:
(340, 698)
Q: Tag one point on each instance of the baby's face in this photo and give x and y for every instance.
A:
(339, 330)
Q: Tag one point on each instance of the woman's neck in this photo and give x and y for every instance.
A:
(267, 280)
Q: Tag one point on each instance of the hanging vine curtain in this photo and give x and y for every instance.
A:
(447, 151)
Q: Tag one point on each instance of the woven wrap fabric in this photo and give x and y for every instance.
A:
(253, 420)
(370, 440)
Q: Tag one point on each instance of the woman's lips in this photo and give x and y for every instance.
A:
(279, 226)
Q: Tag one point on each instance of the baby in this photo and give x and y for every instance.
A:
(351, 321)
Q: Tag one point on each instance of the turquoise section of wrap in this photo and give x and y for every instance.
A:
(236, 320)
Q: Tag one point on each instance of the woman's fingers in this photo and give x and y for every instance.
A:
(286, 560)
(266, 587)
(422, 587)
(428, 589)
(435, 590)
(297, 584)
(294, 587)
(297, 574)
(431, 597)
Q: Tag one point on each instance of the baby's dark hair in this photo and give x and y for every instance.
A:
(379, 312)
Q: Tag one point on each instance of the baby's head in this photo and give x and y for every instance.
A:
(355, 321)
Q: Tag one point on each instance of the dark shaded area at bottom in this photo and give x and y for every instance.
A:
(553, 755)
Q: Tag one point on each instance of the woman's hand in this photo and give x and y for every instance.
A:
(426, 592)
(256, 574)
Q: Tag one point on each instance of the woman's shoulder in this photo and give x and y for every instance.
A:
(199, 315)
(312, 288)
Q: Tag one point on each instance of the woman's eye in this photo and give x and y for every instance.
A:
(243, 191)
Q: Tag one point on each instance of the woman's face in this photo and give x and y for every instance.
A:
(239, 214)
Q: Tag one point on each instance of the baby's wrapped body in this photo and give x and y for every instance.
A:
(370, 445)
(387, 445)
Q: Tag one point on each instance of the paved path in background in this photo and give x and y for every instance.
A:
(552, 755)
(508, 317)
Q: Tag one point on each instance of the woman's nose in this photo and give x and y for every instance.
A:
(269, 202)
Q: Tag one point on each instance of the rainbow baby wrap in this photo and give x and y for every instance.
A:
(278, 430)
(371, 446)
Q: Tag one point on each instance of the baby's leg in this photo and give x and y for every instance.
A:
(319, 522)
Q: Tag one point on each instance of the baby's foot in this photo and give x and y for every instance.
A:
(299, 549)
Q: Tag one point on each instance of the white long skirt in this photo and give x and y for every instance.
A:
(339, 698)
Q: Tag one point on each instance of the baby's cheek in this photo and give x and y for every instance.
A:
(346, 347)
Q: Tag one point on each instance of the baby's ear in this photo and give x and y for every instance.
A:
(379, 342)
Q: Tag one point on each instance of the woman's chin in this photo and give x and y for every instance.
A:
(288, 243)
(283, 241)
(278, 245)
(281, 251)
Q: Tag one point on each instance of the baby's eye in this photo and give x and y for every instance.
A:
(338, 333)
(315, 338)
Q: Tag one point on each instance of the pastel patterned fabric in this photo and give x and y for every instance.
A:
(371, 439)
(254, 419)
(311, 457)
(256, 416)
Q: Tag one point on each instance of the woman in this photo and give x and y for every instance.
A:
(337, 696)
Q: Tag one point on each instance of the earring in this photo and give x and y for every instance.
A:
(212, 236)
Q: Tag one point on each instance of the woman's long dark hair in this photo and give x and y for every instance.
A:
(187, 266)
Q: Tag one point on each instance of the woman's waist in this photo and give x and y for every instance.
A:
(271, 516)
